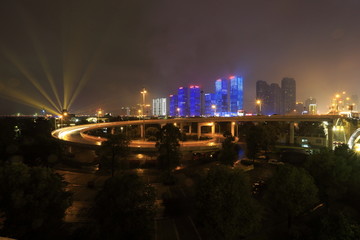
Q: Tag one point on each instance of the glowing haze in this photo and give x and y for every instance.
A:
(91, 54)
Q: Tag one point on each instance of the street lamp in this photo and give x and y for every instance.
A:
(99, 114)
(214, 109)
(143, 92)
(178, 112)
(258, 103)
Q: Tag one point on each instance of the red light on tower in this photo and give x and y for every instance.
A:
(232, 77)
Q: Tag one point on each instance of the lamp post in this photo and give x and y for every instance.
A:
(99, 114)
(258, 104)
(143, 92)
(178, 112)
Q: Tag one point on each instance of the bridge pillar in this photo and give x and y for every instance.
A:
(292, 133)
(112, 131)
(198, 130)
(181, 126)
(213, 129)
(142, 130)
(190, 128)
(233, 124)
(330, 135)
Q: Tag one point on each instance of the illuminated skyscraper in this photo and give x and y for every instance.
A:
(183, 101)
(173, 105)
(159, 107)
(288, 86)
(310, 106)
(236, 94)
(222, 96)
(195, 101)
(209, 101)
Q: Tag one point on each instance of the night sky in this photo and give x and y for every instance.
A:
(111, 49)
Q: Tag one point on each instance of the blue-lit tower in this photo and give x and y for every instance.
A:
(222, 96)
(173, 105)
(183, 101)
(236, 94)
(195, 101)
(210, 104)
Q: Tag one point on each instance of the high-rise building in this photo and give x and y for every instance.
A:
(222, 96)
(310, 106)
(299, 108)
(195, 101)
(173, 106)
(209, 104)
(159, 107)
(270, 97)
(288, 86)
(263, 95)
(183, 101)
(229, 96)
(236, 94)
(275, 99)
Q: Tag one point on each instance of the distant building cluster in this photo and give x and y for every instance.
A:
(227, 100)
(275, 99)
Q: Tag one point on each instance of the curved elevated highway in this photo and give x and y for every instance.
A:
(77, 134)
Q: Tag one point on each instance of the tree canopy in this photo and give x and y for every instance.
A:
(114, 151)
(292, 191)
(228, 154)
(168, 146)
(225, 205)
(33, 201)
(125, 208)
(336, 172)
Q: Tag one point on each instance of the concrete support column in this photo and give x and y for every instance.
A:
(198, 130)
(181, 126)
(190, 128)
(233, 124)
(213, 129)
(292, 133)
(112, 131)
(330, 136)
(142, 130)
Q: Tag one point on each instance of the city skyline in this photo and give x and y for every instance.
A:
(111, 50)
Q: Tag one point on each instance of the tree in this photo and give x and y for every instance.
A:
(33, 201)
(228, 154)
(292, 191)
(125, 208)
(117, 147)
(168, 146)
(336, 173)
(260, 137)
(151, 133)
(225, 205)
(338, 226)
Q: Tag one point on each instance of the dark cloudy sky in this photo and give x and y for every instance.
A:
(110, 49)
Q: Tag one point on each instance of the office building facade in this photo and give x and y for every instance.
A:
(173, 105)
(288, 86)
(183, 102)
(236, 95)
(195, 100)
(159, 107)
